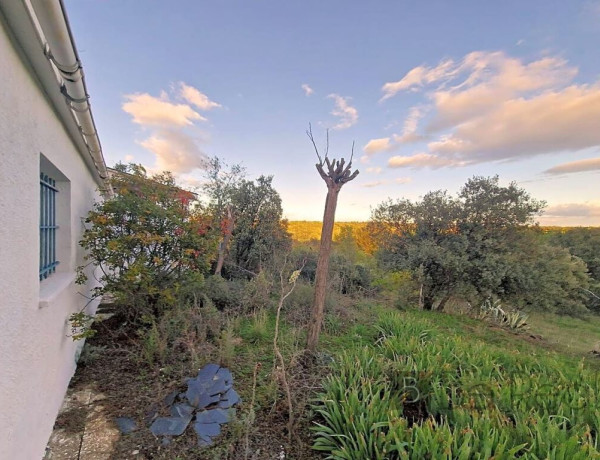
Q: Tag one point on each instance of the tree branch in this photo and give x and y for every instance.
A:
(322, 172)
(590, 292)
(283, 374)
(312, 139)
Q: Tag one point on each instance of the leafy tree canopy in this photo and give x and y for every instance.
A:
(477, 245)
(585, 244)
(259, 233)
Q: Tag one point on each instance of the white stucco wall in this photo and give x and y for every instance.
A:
(37, 358)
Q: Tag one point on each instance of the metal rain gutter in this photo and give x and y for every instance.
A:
(59, 47)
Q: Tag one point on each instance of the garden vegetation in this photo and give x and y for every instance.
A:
(425, 350)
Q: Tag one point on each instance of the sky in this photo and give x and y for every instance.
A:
(431, 93)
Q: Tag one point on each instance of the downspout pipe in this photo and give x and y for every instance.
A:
(59, 48)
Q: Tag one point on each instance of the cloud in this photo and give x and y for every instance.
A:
(572, 214)
(491, 107)
(375, 184)
(573, 210)
(347, 114)
(365, 159)
(398, 180)
(590, 164)
(551, 122)
(485, 68)
(409, 134)
(195, 97)
(374, 170)
(410, 124)
(491, 79)
(149, 110)
(170, 122)
(418, 77)
(129, 158)
(307, 89)
(421, 160)
(378, 145)
(190, 182)
(175, 151)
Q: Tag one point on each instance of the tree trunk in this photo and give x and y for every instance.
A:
(443, 302)
(427, 302)
(338, 173)
(322, 268)
(225, 243)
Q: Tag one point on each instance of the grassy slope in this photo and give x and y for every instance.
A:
(555, 345)
(563, 338)
(356, 330)
(529, 356)
(132, 387)
(572, 336)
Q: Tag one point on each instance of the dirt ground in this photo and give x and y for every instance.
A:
(112, 381)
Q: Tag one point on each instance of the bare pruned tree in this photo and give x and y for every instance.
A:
(335, 173)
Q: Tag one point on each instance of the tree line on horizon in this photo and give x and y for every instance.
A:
(307, 230)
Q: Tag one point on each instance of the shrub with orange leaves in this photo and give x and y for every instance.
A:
(148, 240)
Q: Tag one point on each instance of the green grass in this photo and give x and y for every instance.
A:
(256, 345)
(446, 387)
(563, 338)
(570, 335)
(368, 368)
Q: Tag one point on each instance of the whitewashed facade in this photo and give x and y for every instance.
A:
(39, 133)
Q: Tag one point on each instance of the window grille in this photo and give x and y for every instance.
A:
(48, 226)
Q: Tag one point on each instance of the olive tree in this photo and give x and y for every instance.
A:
(477, 245)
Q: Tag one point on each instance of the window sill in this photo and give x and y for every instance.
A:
(53, 286)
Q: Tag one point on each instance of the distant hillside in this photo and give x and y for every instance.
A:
(559, 229)
(305, 230)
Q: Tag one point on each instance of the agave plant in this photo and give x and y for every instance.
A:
(515, 320)
(491, 310)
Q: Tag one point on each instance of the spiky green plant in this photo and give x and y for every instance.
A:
(480, 401)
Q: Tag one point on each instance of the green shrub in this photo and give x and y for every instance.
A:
(299, 304)
(225, 295)
(345, 429)
(180, 334)
(148, 241)
(257, 293)
(154, 345)
(332, 324)
(346, 277)
(399, 287)
(227, 345)
(308, 255)
(503, 316)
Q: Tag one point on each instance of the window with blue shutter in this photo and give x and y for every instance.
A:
(48, 227)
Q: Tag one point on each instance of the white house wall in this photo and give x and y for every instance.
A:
(37, 357)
